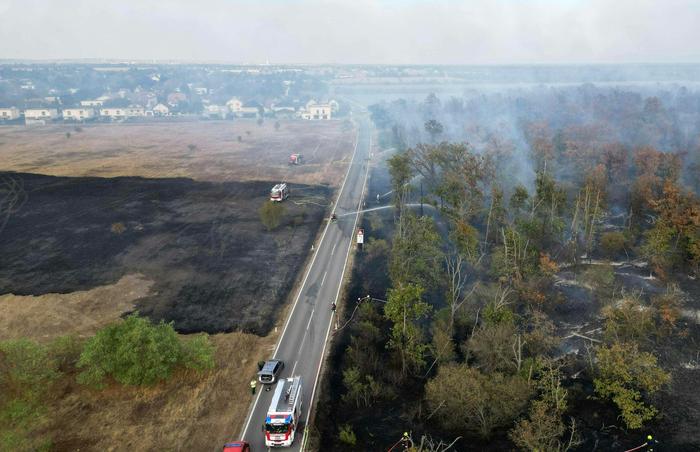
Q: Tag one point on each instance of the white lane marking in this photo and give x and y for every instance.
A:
(311, 317)
(324, 278)
(342, 277)
(303, 283)
(303, 340)
(333, 250)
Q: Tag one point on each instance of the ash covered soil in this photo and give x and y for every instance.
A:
(214, 266)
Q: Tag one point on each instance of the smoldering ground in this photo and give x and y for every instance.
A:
(215, 267)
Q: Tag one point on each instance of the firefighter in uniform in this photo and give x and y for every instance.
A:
(405, 441)
(252, 386)
(650, 443)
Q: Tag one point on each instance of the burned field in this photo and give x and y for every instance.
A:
(213, 265)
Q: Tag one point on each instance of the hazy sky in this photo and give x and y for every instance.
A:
(354, 31)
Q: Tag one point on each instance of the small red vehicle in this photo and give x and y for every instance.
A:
(296, 159)
(238, 446)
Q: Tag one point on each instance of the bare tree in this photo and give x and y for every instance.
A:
(428, 444)
(456, 296)
(518, 344)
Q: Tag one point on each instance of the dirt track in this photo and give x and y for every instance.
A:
(214, 267)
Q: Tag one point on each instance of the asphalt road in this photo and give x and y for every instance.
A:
(303, 340)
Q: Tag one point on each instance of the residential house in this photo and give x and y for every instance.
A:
(122, 112)
(135, 111)
(236, 107)
(112, 113)
(216, 111)
(40, 113)
(78, 114)
(314, 110)
(161, 110)
(9, 114)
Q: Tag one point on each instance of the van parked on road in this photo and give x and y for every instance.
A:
(270, 371)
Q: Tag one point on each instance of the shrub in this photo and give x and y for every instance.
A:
(541, 337)
(492, 346)
(629, 320)
(346, 435)
(198, 353)
(362, 390)
(601, 280)
(271, 214)
(543, 429)
(540, 431)
(465, 399)
(137, 352)
(668, 309)
(548, 266)
(625, 375)
(118, 228)
(613, 243)
(495, 314)
(65, 350)
(659, 247)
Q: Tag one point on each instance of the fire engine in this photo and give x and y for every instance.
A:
(284, 413)
(279, 192)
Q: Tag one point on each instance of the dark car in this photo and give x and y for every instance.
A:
(270, 371)
(238, 446)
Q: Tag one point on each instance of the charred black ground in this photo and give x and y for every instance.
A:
(215, 266)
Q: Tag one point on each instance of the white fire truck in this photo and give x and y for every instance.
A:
(284, 413)
(279, 192)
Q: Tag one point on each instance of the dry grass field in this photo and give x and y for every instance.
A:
(188, 412)
(80, 313)
(165, 149)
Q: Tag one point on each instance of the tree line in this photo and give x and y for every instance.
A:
(466, 345)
